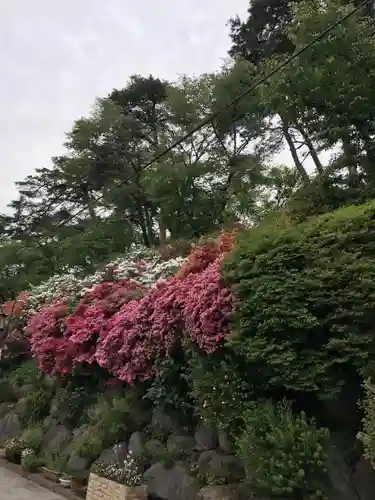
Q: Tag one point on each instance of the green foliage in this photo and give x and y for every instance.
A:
(56, 462)
(31, 463)
(74, 401)
(219, 390)
(37, 406)
(26, 374)
(90, 444)
(305, 299)
(367, 435)
(285, 454)
(33, 437)
(169, 389)
(7, 393)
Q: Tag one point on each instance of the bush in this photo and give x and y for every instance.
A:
(37, 406)
(284, 454)
(220, 392)
(305, 300)
(30, 462)
(90, 444)
(26, 374)
(56, 462)
(33, 437)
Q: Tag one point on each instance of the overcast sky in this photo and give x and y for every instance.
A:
(58, 55)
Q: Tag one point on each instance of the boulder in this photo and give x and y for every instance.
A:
(170, 484)
(227, 467)
(224, 442)
(136, 444)
(78, 464)
(10, 426)
(154, 447)
(183, 444)
(340, 475)
(364, 479)
(165, 422)
(206, 437)
(114, 455)
(224, 492)
(21, 406)
(57, 437)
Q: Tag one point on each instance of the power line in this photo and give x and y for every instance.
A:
(216, 114)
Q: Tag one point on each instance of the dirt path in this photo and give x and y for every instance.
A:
(14, 487)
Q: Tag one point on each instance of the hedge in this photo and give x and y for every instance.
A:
(305, 298)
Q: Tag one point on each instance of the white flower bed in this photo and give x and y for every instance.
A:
(141, 265)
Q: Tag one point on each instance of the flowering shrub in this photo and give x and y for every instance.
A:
(53, 352)
(26, 452)
(126, 473)
(207, 308)
(141, 332)
(90, 317)
(207, 253)
(16, 307)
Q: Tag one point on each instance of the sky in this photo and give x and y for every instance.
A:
(58, 56)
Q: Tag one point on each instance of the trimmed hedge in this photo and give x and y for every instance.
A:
(305, 294)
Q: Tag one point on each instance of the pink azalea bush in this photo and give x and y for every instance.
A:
(92, 313)
(127, 328)
(53, 352)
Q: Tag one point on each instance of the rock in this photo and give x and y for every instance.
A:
(223, 492)
(222, 466)
(77, 464)
(183, 444)
(21, 406)
(164, 422)
(206, 437)
(170, 484)
(10, 426)
(364, 479)
(114, 455)
(47, 422)
(57, 437)
(224, 442)
(136, 444)
(340, 476)
(154, 447)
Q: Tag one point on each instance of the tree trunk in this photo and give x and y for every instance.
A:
(293, 151)
(313, 153)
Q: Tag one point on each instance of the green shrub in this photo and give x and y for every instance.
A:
(37, 406)
(27, 374)
(90, 444)
(169, 389)
(56, 462)
(7, 393)
(33, 437)
(220, 392)
(31, 463)
(114, 417)
(74, 402)
(284, 454)
(306, 301)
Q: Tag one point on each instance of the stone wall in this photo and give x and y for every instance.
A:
(189, 466)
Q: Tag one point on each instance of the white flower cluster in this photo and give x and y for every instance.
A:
(27, 452)
(127, 474)
(139, 264)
